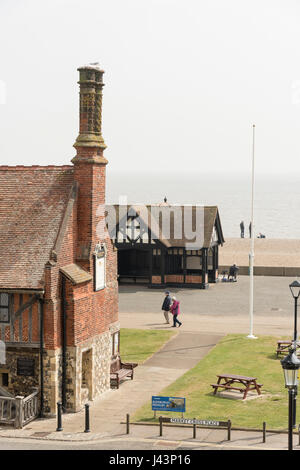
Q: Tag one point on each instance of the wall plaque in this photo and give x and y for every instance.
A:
(99, 267)
(25, 366)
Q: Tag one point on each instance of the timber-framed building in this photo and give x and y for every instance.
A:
(166, 245)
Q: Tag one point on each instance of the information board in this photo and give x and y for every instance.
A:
(100, 275)
(25, 366)
(168, 404)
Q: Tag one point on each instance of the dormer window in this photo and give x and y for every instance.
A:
(4, 307)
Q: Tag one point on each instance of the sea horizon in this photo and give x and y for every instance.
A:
(276, 197)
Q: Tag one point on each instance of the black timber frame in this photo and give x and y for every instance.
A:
(147, 277)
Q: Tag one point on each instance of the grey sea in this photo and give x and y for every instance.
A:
(276, 198)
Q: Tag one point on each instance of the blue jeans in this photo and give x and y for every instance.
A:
(175, 320)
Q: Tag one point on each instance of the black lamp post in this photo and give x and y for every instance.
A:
(290, 365)
(295, 290)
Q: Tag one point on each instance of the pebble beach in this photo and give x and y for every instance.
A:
(267, 252)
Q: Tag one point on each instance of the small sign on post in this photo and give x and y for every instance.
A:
(168, 404)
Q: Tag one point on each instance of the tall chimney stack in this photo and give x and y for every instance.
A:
(90, 142)
(89, 163)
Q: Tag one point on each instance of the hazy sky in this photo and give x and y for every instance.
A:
(185, 81)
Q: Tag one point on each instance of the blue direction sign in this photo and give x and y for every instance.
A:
(168, 404)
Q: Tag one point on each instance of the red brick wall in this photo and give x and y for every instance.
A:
(174, 278)
(52, 306)
(189, 279)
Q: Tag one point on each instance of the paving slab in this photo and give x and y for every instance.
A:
(109, 410)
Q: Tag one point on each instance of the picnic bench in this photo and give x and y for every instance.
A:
(119, 370)
(283, 347)
(237, 382)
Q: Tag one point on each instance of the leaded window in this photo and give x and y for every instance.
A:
(4, 307)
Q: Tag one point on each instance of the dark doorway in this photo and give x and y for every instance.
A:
(133, 262)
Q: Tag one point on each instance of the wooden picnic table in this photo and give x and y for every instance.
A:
(283, 347)
(237, 382)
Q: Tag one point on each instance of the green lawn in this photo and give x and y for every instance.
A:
(239, 355)
(138, 345)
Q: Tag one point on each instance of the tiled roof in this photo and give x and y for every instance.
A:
(166, 221)
(33, 201)
(76, 274)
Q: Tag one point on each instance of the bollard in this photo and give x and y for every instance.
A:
(194, 430)
(229, 430)
(264, 431)
(127, 423)
(59, 422)
(160, 426)
(87, 417)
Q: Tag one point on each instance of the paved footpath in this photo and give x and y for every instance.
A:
(111, 408)
(207, 316)
(108, 429)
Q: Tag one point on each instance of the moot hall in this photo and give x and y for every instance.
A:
(59, 268)
(58, 278)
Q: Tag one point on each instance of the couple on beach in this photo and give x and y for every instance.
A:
(170, 304)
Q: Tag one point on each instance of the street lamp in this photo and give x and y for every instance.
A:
(290, 365)
(295, 290)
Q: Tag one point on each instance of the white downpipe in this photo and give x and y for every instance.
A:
(251, 254)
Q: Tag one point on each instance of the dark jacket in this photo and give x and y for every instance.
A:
(166, 303)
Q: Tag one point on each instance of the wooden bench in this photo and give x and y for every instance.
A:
(119, 370)
(237, 382)
(283, 347)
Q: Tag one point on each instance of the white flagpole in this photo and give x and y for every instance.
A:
(251, 254)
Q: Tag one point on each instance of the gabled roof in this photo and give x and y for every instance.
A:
(33, 202)
(172, 225)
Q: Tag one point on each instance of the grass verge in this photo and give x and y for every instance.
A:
(138, 345)
(234, 354)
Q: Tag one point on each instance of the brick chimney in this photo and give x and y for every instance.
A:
(89, 162)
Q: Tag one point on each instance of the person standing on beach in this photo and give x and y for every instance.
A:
(166, 306)
(242, 226)
(175, 309)
(250, 229)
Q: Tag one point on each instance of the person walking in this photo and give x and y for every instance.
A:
(242, 227)
(175, 310)
(166, 306)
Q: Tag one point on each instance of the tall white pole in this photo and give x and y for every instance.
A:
(251, 254)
